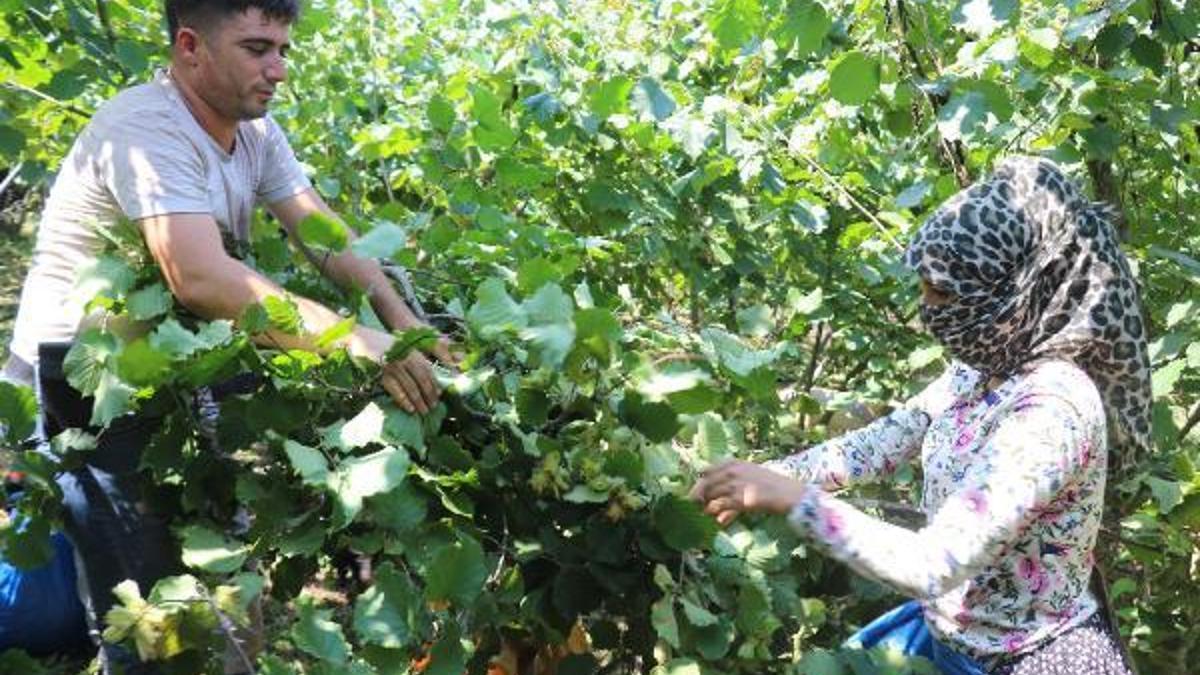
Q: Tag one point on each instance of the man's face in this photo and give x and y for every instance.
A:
(240, 62)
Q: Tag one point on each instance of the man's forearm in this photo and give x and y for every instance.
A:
(229, 287)
(351, 271)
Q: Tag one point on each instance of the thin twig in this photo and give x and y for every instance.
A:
(1192, 421)
(46, 97)
(227, 628)
(883, 229)
(12, 175)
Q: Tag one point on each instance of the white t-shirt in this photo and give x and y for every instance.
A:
(143, 154)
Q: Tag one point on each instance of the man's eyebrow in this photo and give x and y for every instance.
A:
(268, 42)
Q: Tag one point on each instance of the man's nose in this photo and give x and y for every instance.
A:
(276, 70)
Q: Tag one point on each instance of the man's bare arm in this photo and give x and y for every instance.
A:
(351, 271)
(214, 285)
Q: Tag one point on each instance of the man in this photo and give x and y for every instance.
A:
(186, 157)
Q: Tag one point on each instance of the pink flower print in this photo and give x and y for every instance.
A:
(830, 524)
(1030, 570)
(976, 501)
(1013, 642)
(964, 439)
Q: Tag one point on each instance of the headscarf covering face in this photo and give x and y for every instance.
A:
(1035, 273)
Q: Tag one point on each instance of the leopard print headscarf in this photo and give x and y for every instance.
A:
(1036, 273)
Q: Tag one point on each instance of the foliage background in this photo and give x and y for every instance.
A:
(750, 166)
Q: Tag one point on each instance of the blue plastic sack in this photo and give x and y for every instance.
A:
(903, 629)
(40, 611)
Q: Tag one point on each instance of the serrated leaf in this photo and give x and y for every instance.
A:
(357, 478)
(113, 398)
(804, 26)
(336, 333)
(321, 230)
(381, 242)
(734, 22)
(656, 421)
(610, 97)
(87, 359)
(982, 17)
(494, 311)
(210, 551)
(149, 302)
(173, 339)
(18, 413)
(854, 79)
(307, 462)
(662, 617)
(381, 612)
(650, 101)
(363, 429)
(142, 365)
(456, 573)
(283, 314)
(316, 633)
(682, 524)
(1163, 381)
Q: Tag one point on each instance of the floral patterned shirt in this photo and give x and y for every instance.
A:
(1013, 490)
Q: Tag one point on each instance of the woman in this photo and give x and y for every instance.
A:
(1023, 282)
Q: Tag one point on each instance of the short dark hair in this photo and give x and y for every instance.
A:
(204, 15)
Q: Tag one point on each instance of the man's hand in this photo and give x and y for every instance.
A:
(409, 381)
(733, 487)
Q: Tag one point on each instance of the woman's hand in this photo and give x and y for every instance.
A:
(733, 487)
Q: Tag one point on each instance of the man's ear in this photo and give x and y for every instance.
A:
(187, 43)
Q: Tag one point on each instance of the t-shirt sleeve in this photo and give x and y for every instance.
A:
(151, 170)
(282, 175)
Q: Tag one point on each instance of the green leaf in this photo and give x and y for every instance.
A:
(494, 311)
(113, 399)
(12, 142)
(808, 303)
(662, 617)
(171, 338)
(983, 17)
(210, 551)
(681, 666)
(924, 356)
(381, 612)
(515, 175)
(316, 633)
(381, 242)
(86, 361)
(734, 22)
(142, 365)
(656, 421)
(610, 97)
(440, 113)
(682, 524)
(650, 101)
(321, 230)
(597, 330)
(421, 338)
(1168, 493)
(336, 333)
(449, 655)
(18, 413)
(854, 79)
(149, 302)
(107, 277)
(804, 27)
(820, 662)
(1148, 54)
(361, 477)
(131, 55)
(400, 509)
(363, 429)
(307, 462)
(457, 572)
(283, 314)
(1163, 381)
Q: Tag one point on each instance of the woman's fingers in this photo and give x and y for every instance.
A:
(421, 371)
(404, 380)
